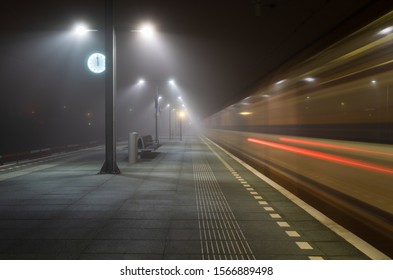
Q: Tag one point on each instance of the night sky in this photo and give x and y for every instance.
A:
(215, 50)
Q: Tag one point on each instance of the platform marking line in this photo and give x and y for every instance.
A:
(292, 233)
(220, 234)
(275, 216)
(351, 238)
(283, 224)
(304, 245)
(250, 189)
(315, 258)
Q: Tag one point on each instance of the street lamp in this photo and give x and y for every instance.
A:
(110, 165)
(157, 98)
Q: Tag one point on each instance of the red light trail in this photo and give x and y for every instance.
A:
(325, 145)
(323, 156)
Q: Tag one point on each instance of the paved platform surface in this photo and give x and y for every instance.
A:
(187, 200)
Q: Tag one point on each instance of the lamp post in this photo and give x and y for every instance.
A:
(181, 116)
(110, 165)
(156, 102)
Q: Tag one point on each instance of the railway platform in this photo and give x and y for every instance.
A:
(189, 199)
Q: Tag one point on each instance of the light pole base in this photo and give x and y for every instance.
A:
(109, 168)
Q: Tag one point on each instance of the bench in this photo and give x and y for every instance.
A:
(146, 144)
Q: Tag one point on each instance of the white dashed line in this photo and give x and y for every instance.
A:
(304, 245)
(283, 224)
(270, 209)
(262, 202)
(315, 258)
(292, 233)
(275, 216)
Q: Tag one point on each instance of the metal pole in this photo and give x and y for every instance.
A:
(156, 114)
(170, 129)
(181, 120)
(110, 165)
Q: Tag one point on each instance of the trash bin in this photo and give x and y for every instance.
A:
(132, 147)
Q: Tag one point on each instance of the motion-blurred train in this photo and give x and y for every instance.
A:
(323, 128)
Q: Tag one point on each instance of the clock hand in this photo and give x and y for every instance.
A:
(98, 63)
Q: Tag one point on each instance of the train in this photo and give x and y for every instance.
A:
(323, 128)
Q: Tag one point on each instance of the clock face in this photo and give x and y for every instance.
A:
(96, 63)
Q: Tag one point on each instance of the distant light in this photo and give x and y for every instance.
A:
(182, 114)
(280, 82)
(160, 97)
(171, 81)
(245, 113)
(80, 29)
(309, 79)
(179, 97)
(147, 30)
(266, 95)
(373, 81)
(386, 30)
(141, 81)
(168, 105)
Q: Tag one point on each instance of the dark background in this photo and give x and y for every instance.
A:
(215, 50)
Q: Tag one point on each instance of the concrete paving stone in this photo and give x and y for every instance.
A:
(144, 207)
(120, 256)
(50, 201)
(307, 225)
(63, 223)
(263, 230)
(132, 234)
(261, 256)
(186, 247)
(150, 202)
(12, 233)
(279, 247)
(182, 257)
(126, 247)
(152, 188)
(319, 235)
(338, 248)
(184, 224)
(134, 223)
(251, 216)
(22, 224)
(62, 233)
(85, 214)
(189, 215)
(183, 234)
(40, 256)
(143, 215)
(47, 246)
(34, 215)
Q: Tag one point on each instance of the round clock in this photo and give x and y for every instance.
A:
(96, 63)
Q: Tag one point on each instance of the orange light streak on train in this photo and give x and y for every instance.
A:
(326, 145)
(323, 156)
